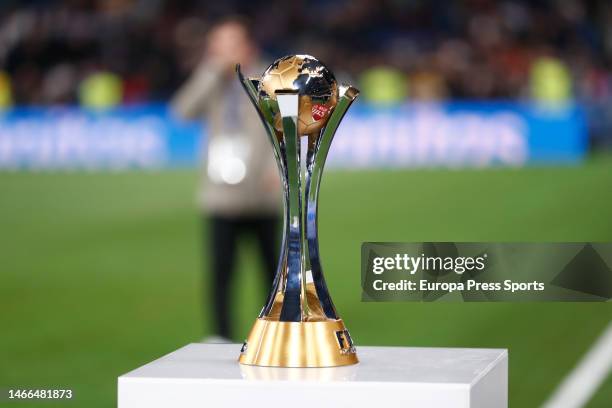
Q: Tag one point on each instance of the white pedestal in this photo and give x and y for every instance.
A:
(208, 375)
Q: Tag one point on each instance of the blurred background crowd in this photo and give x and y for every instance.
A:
(129, 51)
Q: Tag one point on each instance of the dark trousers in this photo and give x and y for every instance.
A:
(223, 239)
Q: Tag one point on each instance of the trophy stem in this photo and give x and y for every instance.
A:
(293, 302)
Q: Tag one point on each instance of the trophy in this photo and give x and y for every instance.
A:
(301, 106)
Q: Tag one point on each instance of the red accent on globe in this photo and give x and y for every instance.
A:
(319, 111)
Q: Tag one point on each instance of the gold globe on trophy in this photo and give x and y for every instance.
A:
(299, 326)
(317, 87)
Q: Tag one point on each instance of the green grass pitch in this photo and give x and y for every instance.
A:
(101, 273)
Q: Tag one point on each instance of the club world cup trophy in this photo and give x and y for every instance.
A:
(298, 97)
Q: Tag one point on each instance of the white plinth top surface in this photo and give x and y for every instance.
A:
(209, 375)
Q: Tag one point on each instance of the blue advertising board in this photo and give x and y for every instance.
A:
(129, 137)
(450, 135)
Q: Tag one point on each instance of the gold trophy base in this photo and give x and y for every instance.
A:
(273, 343)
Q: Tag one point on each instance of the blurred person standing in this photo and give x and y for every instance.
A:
(240, 191)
